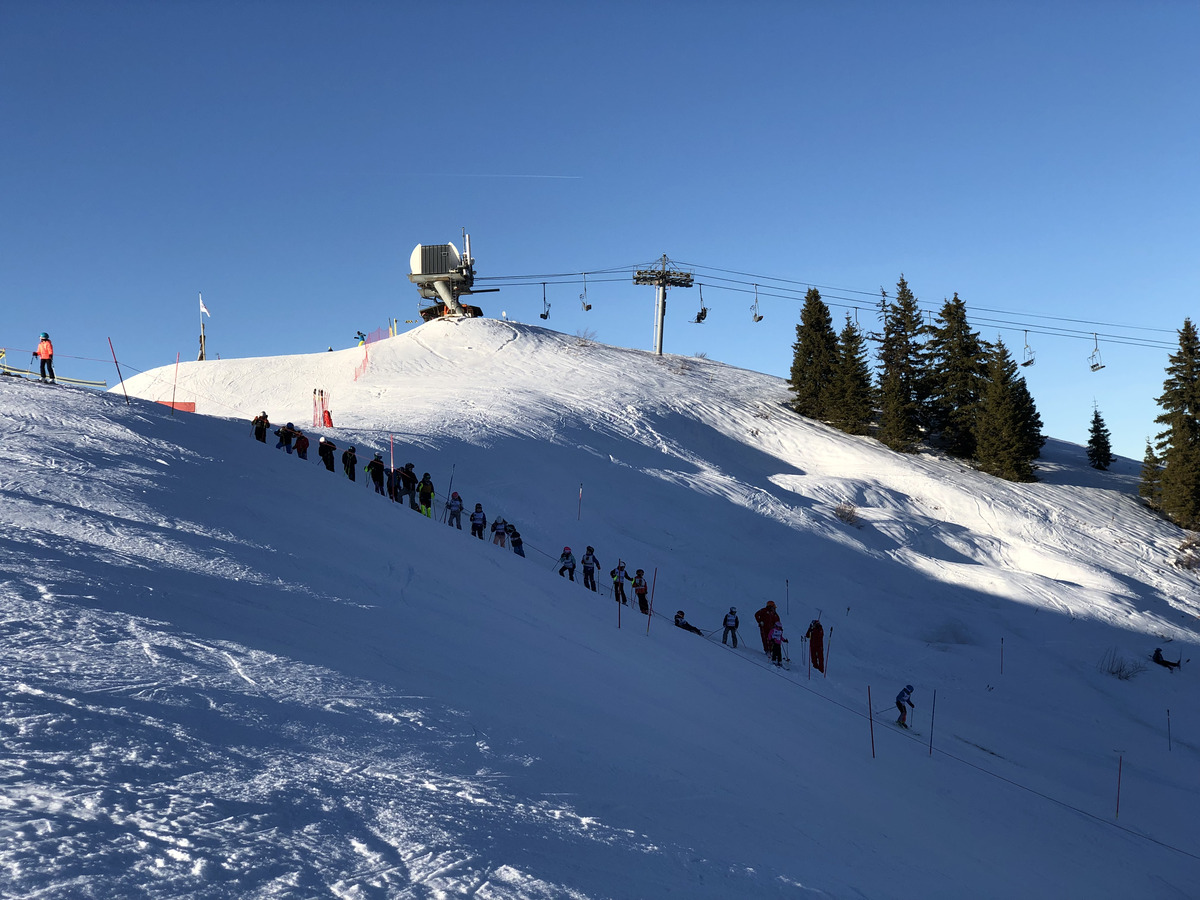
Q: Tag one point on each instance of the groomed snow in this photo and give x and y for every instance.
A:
(230, 673)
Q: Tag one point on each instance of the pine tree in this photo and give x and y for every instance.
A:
(1099, 447)
(1002, 434)
(851, 394)
(1150, 488)
(1029, 422)
(902, 387)
(814, 358)
(1179, 443)
(956, 363)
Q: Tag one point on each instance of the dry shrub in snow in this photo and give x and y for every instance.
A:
(1187, 556)
(847, 512)
(1112, 663)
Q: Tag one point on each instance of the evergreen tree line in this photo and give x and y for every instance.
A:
(934, 382)
(1171, 467)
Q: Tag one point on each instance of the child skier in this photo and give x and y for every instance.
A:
(589, 568)
(776, 640)
(640, 589)
(619, 577)
(682, 622)
(325, 448)
(731, 626)
(455, 507)
(566, 563)
(478, 521)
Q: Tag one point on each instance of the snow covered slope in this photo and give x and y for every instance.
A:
(231, 673)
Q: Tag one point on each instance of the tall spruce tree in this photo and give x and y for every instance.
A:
(1179, 442)
(1150, 488)
(902, 388)
(851, 396)
(956, 363)
(1002, 435)
(1099, 446)
(1029, 421)
(814, 359)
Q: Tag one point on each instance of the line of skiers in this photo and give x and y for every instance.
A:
(402, 483)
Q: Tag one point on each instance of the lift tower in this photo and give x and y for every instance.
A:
(662, 278)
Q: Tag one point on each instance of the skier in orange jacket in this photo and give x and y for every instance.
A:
(45, 352)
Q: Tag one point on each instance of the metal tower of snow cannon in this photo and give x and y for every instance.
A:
(440, 272)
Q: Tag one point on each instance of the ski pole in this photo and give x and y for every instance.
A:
(446, 512)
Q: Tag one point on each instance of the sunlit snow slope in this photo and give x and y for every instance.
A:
(231, 673)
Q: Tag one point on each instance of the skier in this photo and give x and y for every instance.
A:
(302, 445)
(45, 353)
(640, 587)
(408, 480)
(619, 577)
(566, 563)
(681, 622)
(776, 641)
(393, 484)
(766, 618)
(285, 435)
(816, 644)
(478, 521)
(731, 626)
(325, 448)
(499, 535)
(905, 696)
(514, 538)
(455, 506)
(425, 495)
(349, 462)
(261, 423)
(1158, 658)
(589, 568)
(375, 468)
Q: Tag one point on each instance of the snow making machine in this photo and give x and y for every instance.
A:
(442, 274)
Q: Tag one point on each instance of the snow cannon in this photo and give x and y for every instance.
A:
(441, 273)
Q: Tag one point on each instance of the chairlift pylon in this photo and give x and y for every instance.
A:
(754, 314)
(1029, 354)
(1095, 361)
(545, 313)
(700, 316)
(583, 297)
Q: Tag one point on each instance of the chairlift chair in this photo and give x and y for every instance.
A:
(1095, 362)
(545, 313)
(754, 314)
(700, 316)
(1029, 355)
(583, 297)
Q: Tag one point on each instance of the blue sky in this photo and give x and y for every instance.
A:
(284, 158)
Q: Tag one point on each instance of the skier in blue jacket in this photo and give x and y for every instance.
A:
(905, 696)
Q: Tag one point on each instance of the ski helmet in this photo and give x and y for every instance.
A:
(679, 613)
(351, 448)
(479, 506)
(641, 571)
(322, 440)
(378, 455)
(455, 496)
(290, 425)
(770, 604)
(566, 549)
(44, 336)
(733, 609)
(909, 688)
(591, 549)
(408, 465)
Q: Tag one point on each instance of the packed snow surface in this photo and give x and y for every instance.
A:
(230, 673)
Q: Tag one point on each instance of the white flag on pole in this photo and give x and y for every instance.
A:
(203, 308)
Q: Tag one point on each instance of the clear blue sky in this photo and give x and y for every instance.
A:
(1041, 159)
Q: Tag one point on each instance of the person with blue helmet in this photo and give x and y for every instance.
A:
(45, 353)
(285, 435)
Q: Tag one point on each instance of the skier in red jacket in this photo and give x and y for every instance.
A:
(767, 618)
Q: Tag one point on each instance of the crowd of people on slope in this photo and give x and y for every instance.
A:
(401, 484)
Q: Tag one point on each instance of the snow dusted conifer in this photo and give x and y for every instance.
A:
(1150, 487)
(1099, 447)
(902, 385)
(852, 396)
(1179, 444)
(814, 359)
(956, 362)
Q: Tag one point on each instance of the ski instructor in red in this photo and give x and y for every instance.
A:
(767, 618)
(816, 644)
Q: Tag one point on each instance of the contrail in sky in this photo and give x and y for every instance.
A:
(477, 175)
